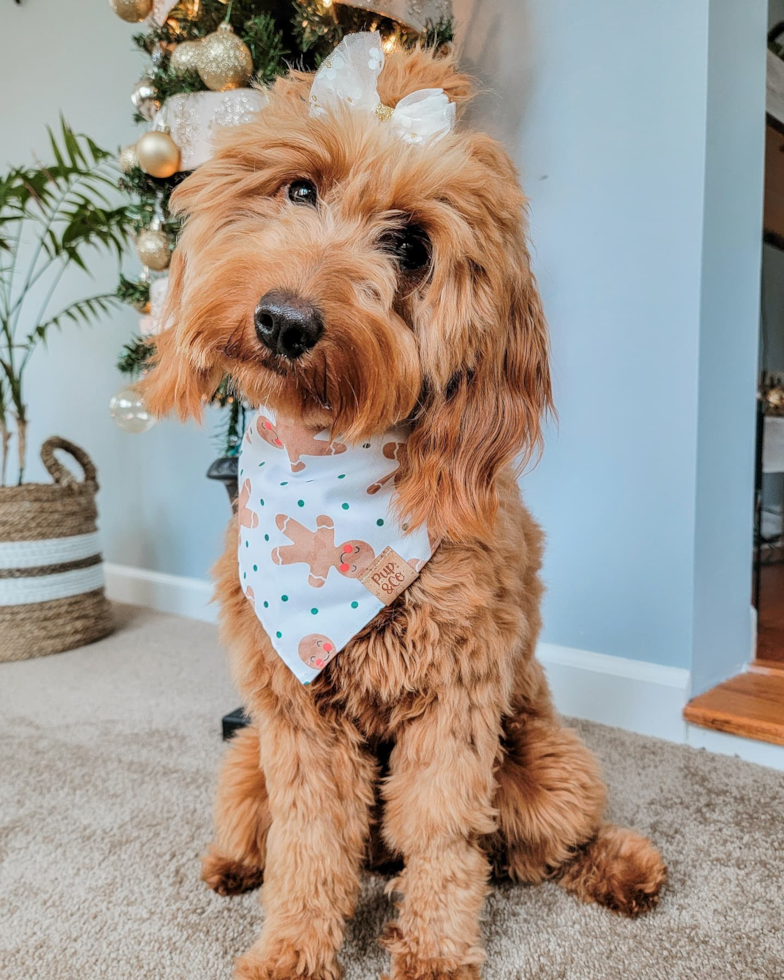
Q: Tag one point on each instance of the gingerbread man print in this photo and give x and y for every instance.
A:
(316, 650)
(317, 550)
(392, 450)
(247, 517)
(297, 441)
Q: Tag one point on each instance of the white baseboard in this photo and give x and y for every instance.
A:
(631, 694)
(189, 597)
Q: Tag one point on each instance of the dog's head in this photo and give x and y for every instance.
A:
(351, 280)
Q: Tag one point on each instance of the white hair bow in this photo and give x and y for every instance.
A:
(348, 77)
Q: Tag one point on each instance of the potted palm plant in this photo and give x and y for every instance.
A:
(51, 217)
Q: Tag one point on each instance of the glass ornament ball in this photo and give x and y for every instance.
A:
(153, 246)
(158, 154)
(127, 158)
(225, 61)
(132, 11)
(185, 58)
(129, 412)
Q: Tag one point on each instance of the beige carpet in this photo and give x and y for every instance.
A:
(107, 758)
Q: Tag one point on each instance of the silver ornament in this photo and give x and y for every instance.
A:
(145, 98)
(129, 412)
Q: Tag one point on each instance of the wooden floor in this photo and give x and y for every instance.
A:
(770, 621)
(751, 705)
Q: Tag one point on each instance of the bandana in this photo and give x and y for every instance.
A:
(321, 551)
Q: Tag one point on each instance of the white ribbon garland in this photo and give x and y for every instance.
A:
(348, 77)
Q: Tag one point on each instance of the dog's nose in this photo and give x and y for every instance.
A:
(287, 325)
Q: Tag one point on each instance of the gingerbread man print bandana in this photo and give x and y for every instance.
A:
(321, 551)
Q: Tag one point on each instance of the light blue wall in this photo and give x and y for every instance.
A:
(729, 329)
(607, 109)
(157, 511)
(639, 136)
(612, 151)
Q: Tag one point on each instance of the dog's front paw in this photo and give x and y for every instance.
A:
(406, 965)
(227, 877)
(288, 965)
(408, 969)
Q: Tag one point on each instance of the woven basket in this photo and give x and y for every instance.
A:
(51, 570)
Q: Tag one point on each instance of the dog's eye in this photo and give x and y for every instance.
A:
(303, 192)
(410, 245)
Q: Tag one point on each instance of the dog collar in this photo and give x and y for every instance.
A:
(321, 550)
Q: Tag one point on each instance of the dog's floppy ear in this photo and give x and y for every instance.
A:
(405, 72)
(489, 413)
(174, 383)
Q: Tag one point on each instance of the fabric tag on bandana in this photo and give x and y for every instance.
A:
(321, 551)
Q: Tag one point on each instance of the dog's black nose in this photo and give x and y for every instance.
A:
(287, 325)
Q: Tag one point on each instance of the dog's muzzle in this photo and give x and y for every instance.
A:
(287, 325)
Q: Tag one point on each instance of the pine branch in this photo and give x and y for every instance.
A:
(136, 294)
(134, 357)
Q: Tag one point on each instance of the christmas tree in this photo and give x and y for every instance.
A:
(204, 58)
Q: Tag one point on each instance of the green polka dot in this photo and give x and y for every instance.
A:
(246, 544)
(342, 476)
(242, 472)
(380, 522)
(266, 537)
(285, 483)
(354, 605)
(279, 634)
(314, 611)
(266, 604)
(255, 568)
(244, 574)
(284, 598)
(344, 506)
(261, 501)
(262, 463)
(300, 503)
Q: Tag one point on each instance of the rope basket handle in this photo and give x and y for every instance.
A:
(61, 475)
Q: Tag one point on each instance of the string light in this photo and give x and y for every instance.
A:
(390, 43)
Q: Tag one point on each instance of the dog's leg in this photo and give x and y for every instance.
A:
(320, 785)
(234, 862)
(550, 803)
(438, 803)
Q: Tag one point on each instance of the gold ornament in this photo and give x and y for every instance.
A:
(774, 398)
(158, 154)
(131, 10)
(153, 246)
(225, 60)
(185, 58)
(145, 98)
(127, 158)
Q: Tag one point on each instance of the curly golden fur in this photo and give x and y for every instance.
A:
(431, 739)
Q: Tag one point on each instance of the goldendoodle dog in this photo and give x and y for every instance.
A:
(359, 269)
